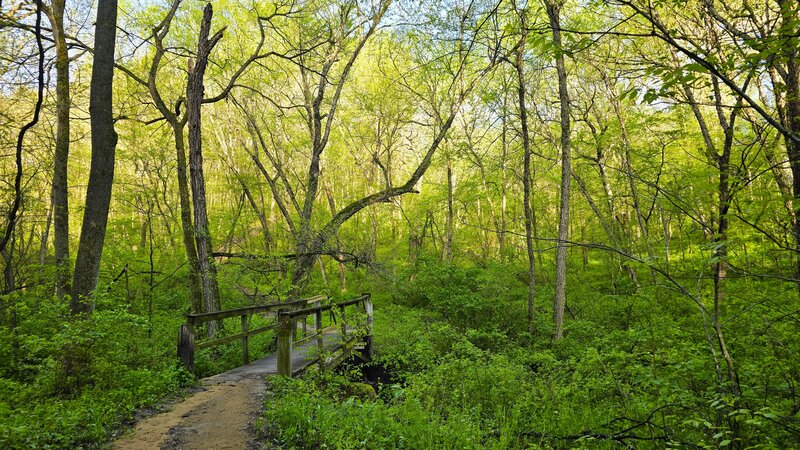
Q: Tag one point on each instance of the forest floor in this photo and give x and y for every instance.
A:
(221, 416)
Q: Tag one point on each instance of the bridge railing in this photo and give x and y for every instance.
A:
(350, 332)
(187, 345)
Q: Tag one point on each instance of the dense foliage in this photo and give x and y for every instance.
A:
(622, 375)
(435, 154)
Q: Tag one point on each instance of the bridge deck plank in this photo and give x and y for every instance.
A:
(303, 355)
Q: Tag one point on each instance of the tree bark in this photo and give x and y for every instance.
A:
(13, 212)
(342, 270)
(319, 124)
(559, 300)
(195, 284)
(60, 197)
(101, 175)
(194, 101)
(447, 245)
(526, 169)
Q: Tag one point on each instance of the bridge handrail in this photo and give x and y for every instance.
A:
(309, 311)
(186, 335)
(287, 329)
(198, 318)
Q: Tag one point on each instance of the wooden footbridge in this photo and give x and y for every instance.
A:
(300, 344)
(220, 414)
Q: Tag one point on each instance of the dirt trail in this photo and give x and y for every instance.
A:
(222, 415)
(219, 417)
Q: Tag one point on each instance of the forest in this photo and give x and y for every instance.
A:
(577, 220)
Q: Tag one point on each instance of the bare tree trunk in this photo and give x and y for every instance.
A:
(195, 284)
(75, 362)
(262, 217)
(60, 197)
(101, 175)
(559, 301)
(12, 216)
(447, 245)
(232, 230)
(501, 233)
(526, 169)
(322, 273)
(342, 271)
(626, 154)
(194, 100)
(46, 236)
(793, 110)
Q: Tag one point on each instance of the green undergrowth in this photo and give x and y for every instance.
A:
(460, 371)
(130, 367)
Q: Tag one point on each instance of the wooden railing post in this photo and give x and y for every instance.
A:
(320, 347)
(186, 346)
(285, 332)
(345, 350)
(368, 351)
(245, 352)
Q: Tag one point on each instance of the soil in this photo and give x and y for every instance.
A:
(221, 415)
(218, 417)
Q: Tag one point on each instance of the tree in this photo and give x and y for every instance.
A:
(101, 176)
(519, 64)
(170, 111)
(194, 101)
(60, 194)
(759, 43)
(553, 13)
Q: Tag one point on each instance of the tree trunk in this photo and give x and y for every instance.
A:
(559, 300)
(342, 271)
(793, 148)
(101, 175)
(262, 217)
(501, 233)
(195, 285)
(60, 196)
(447, 245)
(526, 169)
(194, 100)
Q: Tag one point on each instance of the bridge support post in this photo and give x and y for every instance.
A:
(186, 346)
(368, 351)
(245, 352)
(285, 332)
(320, 346)
(345, 344)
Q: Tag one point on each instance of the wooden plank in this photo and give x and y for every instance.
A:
(262, 329)
(308, 311)
(294, 356)
(315, 335)
(199, 318)
(316, 299)
(234, 337)
(219, 341)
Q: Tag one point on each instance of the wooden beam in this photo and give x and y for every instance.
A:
(245, 352)
(285, 332)
(368, 351)
(199, 318)
(186, 347)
